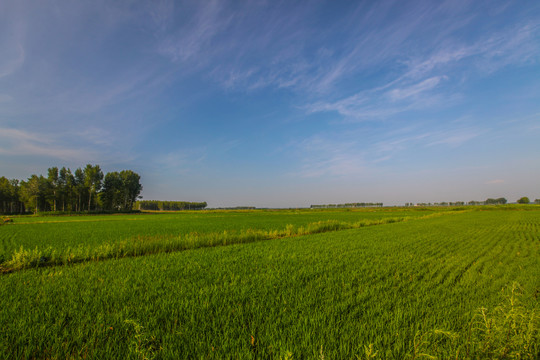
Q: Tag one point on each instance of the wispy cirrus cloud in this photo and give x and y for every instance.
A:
(416, 89)
(196, 35)
(324, 156)
(181, 161)
(89, 145)
(17, 135)
(17, 142)
(420, 75)
(265, 46)
(357, 152)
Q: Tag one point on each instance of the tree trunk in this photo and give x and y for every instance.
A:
(89, 199)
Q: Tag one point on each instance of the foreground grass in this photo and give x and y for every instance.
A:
(335, 295)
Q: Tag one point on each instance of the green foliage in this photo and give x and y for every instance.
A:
(64, 191)
(120, 190)
(523, 200)
(499, 201)
(10, 202)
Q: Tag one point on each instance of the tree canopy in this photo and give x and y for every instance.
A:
(85, 189)
(523, 200)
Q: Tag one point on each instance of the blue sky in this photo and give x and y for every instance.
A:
(277, 103)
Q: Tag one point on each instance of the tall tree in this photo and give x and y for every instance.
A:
(131, 188)
(15, 195)
(5, 194)
(79, 181)
(33, 191)
(111, 194)
(62, 186)
(93, 177)
(53, 182)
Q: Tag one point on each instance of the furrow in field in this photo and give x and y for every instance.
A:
(456, 252)
(490, 245)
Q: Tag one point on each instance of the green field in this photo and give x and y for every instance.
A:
(64, 239)
(405, 288)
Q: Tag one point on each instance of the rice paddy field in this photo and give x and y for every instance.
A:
(380, 283)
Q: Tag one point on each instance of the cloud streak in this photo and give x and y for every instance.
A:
(355, 152)
(23, 143)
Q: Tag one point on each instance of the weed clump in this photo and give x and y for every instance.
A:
(509, 331)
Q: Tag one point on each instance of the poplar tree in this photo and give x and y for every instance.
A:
(92, 180)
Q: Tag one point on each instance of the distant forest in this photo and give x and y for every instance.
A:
(348, 205)
(157, 205)
(84, 190)
(498, 201)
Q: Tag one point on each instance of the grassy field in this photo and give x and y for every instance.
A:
(65, 239)
(394, 290)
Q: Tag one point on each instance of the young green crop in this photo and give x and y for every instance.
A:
(334, 295)
(68, 238)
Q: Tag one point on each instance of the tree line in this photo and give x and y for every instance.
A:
(498, 201)
(348, 205)
(85, 189)
(157, 205)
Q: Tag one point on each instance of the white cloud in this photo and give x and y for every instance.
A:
(61, 153)
(416, 89)
(419, 84)
(17, 135)
(20, 142)
(77, 148)
(195, 37)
